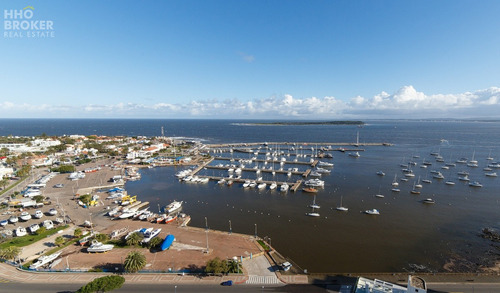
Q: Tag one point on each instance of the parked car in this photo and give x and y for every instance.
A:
(227, 283)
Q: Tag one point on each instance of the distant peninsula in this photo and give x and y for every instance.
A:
(343, 122)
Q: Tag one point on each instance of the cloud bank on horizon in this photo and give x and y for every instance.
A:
(407, 102)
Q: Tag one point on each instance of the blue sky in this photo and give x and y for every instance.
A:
(255, 59)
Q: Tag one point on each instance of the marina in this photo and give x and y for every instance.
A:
(345, 187)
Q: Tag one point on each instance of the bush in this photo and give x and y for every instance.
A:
(103, 284)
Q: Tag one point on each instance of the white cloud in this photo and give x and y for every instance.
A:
(406, 102)
(247, 57)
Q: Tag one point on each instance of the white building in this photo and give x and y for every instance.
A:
(6, 172)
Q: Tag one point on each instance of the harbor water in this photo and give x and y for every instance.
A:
(407, 235)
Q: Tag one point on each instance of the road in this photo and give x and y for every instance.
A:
(133, 288)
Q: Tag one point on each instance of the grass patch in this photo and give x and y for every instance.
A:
(264, 245)
(29, 239)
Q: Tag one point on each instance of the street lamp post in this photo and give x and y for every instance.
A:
(255, 230)
(206, 231)
(230, 229)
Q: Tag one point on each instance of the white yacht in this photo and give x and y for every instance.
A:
(273, 186)
(150, 235)
(262, 185)
(491, 174)
(173, 206)
(43, 260)
(25, 216)
(97, 246)
(48, 224)
(372, 212)
(21, 231)
(38, 214)
(355, 155)
(475, 184)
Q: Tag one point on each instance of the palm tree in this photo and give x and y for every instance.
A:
(134, 239)
(10, 252)
(59, 241)
(154, 242)
(134, 262)
(78, 233)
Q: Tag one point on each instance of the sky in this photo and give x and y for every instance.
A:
(236, 59)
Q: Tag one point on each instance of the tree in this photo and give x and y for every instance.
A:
(103, 284)
(86, 198)
(41, 230)
(134, 239)
(154, 242)
(10, 253)
(78, 233)
(102, 237)
(134, 262)
(39, 198)
(4, 183)
(59, 240)
(216, 266)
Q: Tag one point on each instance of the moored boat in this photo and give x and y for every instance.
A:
(97, 246)
(372, 212)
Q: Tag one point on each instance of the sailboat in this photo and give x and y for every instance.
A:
(341, 207)
(489, 158)
(378, 194)
(414, 191)
(472, 162)
(395, 182)
(314, 205)
(418, 185)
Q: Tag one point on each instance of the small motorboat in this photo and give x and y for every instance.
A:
(372, 212)
(428, 201)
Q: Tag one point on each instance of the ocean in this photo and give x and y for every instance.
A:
(407, 235)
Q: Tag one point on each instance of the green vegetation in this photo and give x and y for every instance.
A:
(343, 122)
(218, 266)
(134, 239)
(10, 252)
(103, 284)
(64, 169)
(86, 198)
(29, 239)
(264, 245)
(134, 262)
(154, 242)
(78, 233)
(59, 241)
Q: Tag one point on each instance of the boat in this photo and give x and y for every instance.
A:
(450, 183)
(221, 182)
(475, 184)
(428, 201)
(52, 212)
(395, 190)
(379, 195)
(309, 189)
(25, 216)
(59, 220)
(132, 232)
(167, 242)
(48, 224)
(355, 155)
(414, 190)
(314, 205)
(463, 173)
(173, 206)
(464, 178)
(325, 164)
(246, 184)
(418, 185)
(462, 161)
(315, 182)
(341, 207)
(33, 228)
(150, 235)
(38, 214)
(4, 223)
(127, 214)
(261, 185)
(21, 231)
(97, 246)
(312, 214)
(284, 187)
(438, 175)
(43, 260)
(491, 174)
(13, 219)
(273, 186)
(170, 218)
(372, 212)
(395, 182)
(380, 173)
